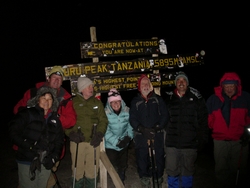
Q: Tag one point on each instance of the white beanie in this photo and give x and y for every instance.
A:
(114, 95)
(83, 82)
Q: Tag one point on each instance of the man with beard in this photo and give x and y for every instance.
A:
(148, 117)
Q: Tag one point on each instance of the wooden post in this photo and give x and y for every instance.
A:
(103, 170)
(94, 59)
(157, 90)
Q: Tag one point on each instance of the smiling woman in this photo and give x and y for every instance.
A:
(38, 135)
(45, 102)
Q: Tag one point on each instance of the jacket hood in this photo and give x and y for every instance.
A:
(229, 76)
(62, 94)
(32, 102)
(110, 109)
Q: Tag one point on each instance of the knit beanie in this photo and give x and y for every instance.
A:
(58, 70)
(230, 78)
(230, 82)
(83, 82)
(183, 75)
(114, 95)
(40, 92)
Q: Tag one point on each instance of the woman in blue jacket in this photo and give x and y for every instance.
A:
(119, 132)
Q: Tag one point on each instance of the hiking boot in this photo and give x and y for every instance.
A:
(145, 182)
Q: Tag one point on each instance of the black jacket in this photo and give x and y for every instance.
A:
(29, 126)
(148, 113)
(188, 123)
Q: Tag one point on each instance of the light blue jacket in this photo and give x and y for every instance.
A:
(118, 126)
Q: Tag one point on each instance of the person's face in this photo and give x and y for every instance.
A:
(45, 101)
(145, 87)
(229, 89)
(88, 91)
(55, 81)
(116, 105)
(181, 85)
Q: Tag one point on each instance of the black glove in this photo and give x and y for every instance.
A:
(35, 165)
(49, 162)
(245, 138)
(123, 143)
(76, 137)
(157, 127)
(148, 133)
(96, 140)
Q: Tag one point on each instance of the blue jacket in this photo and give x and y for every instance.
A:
(118, 126)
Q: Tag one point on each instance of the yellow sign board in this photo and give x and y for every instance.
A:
(122, 48)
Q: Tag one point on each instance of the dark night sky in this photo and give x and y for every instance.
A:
(39, 34)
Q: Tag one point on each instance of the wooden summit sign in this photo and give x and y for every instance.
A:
(122, 48)
(127, 82)
(147, 64)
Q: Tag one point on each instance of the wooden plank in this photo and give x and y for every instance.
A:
(103, 171)
(112, 172)
(129, 82)
(140, 65)
(121, 48)
(157, 90)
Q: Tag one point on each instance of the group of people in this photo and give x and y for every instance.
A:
(167, 131)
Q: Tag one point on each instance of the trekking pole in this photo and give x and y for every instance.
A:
(74, 178)
(55, 177)
(155, 165)
(239, 162)
(151, 161)
(93, 133)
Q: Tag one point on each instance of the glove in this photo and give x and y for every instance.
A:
(35, 165)
(123, 143)
(96, 140)
(245, 136)
(76, 137)
(49, 162)
(148, 133)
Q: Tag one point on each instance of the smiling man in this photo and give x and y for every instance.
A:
(186, 132)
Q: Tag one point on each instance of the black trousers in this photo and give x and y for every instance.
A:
(119, 159)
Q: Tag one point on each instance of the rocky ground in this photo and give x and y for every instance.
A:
(203, 178)
(204, 172)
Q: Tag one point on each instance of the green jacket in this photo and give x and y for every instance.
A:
(89, 112)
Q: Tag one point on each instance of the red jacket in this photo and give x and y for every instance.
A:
(66, 112)
(239, 111)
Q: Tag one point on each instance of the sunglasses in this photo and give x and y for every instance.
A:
(114, 94)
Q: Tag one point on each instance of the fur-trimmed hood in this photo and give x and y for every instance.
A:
(32, 102)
